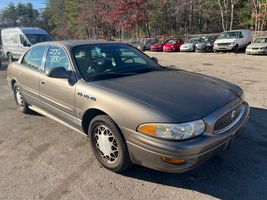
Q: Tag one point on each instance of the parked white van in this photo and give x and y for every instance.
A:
(233, 40)
(17, 40)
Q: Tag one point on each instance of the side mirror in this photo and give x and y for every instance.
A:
(25, 43)
(155, 59)
(57, 72)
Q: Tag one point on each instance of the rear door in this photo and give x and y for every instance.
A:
(29, 71)
(57, 94)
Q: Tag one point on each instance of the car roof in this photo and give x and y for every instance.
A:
(248, 30)
(72, 43)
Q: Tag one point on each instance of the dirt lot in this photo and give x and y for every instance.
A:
(40, 159)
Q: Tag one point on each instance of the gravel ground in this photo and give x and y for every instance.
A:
(41, 159)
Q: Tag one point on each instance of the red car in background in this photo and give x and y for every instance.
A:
(159, 45)
(173, 45)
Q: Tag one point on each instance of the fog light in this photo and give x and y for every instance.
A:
(173, 161)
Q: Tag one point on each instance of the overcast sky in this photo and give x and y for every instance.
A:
(36, 3)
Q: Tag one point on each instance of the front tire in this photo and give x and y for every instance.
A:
(108, 144)
(20, 100)
(236, 49)
(10, 58)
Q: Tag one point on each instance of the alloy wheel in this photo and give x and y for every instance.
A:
(19, 97)
(106, 144)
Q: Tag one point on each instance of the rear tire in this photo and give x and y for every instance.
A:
(108, 144)
(20, 100)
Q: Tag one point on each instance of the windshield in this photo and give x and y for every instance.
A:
(36, 38)
(171, 42)
(161, 41)
(151, 41)
(228, 35)
(193, 40)
(261, 40)
(102, 61)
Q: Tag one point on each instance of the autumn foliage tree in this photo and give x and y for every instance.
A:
(125, 15)
(259, 14)
(109, 19)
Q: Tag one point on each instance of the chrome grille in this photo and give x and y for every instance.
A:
(228, 119)
(223, 44)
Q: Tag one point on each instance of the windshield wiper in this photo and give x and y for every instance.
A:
(140, 70)
(107, 75)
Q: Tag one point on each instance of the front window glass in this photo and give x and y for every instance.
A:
(261, 40)
(36, 38)
(57, 57)
(34, 57)
(229, 35)
(101, 61)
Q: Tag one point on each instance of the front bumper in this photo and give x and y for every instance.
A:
(170, 50)
(256, 52)
(204, 49)
(156, 49)
(149, 151)
(224, 48)
(187, 49)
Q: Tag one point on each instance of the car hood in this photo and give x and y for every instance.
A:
(188, 45)
(169, 45)
(201, 45)
(184, 96)
(258, 45)
(230, 40)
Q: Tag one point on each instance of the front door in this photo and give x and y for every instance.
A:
(23, 45)
(57, 94)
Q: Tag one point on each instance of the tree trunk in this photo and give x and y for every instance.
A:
(222, 15)
(232, 14)
(87, 32)
(148, 29)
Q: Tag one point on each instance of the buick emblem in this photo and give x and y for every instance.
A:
(233, 114)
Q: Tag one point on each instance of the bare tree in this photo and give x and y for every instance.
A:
(259, 14)
(227, 13)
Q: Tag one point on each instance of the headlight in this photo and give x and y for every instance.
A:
(232, 44)
(208, 44)
(173, 131)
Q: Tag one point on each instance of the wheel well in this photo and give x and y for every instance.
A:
(88, 116)
(13, 83)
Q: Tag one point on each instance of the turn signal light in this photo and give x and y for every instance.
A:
(173, 161)
(150, 129)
